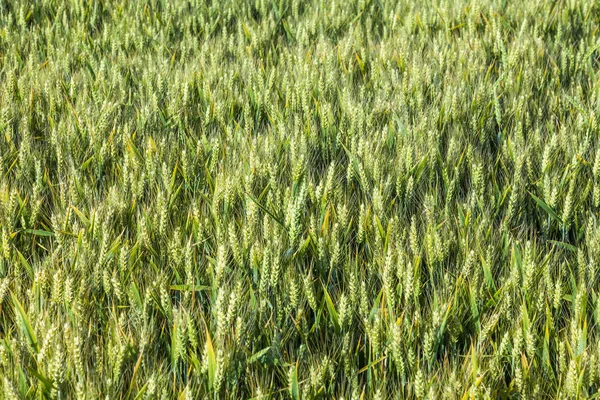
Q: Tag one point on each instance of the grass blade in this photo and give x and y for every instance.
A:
(26, 327)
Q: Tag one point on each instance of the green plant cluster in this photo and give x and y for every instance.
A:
(350, 199)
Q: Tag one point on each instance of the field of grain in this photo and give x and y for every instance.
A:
(286, 199)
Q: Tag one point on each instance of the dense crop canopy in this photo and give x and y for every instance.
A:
(299, 199)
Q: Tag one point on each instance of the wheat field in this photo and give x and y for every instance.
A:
(285, 199)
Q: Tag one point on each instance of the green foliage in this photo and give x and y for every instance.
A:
(299, 199)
